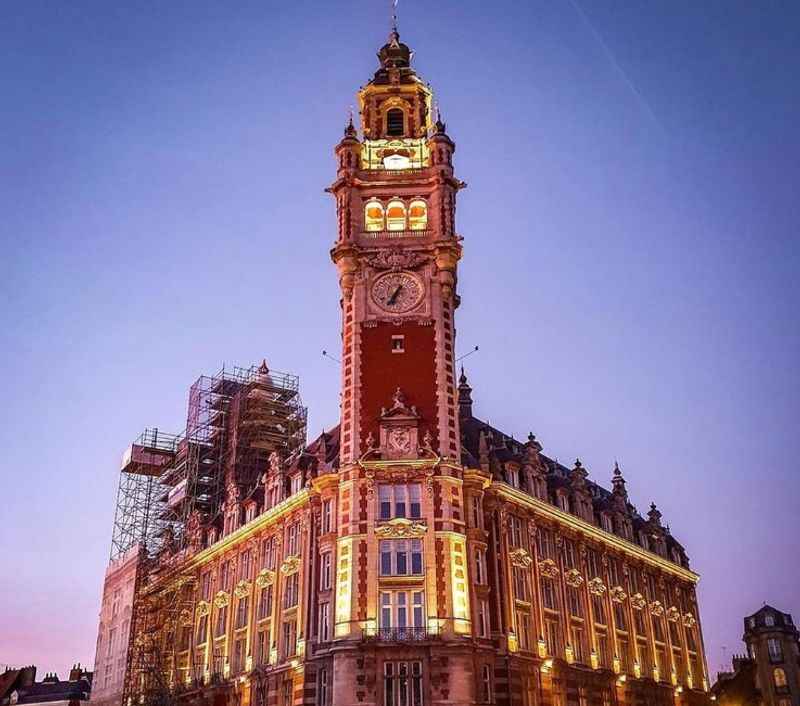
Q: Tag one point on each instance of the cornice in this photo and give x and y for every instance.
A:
(507, 492)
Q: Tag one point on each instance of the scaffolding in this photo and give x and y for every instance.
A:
(172, 489)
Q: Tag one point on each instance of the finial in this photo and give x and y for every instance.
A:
(394, 18)
(577, 463)
(263, 369)
(617, 472)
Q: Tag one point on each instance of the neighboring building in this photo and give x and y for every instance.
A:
(769, 675)
(113, 631)
(19, 686)
(413, 555)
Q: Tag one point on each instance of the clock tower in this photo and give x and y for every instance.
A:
(396, 254)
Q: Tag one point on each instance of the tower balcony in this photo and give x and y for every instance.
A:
(394, 234)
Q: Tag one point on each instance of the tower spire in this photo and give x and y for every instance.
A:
(394, 31)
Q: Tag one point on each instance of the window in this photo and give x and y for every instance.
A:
(486, 684)
(769, 620)
(111, 637)
(480, 566)
(402, 684)
(483, 618)
(222, 621)
(418, 215)
(327, 516)
(568, 551)
(402, 613)
(225, 575)
(516, 525)
(658, 629)
(599, 609)
(238, 656)
(287, 694)
(399, 501)
(673, 634)
(660, 662)
(563, 502)
(398, 344)
(324, 622)
(290, 590)
(638, 621)
(544, 540)
(554, 639)
(512, 474)
(396, 215)
(262, 651)
(268, 553)
(775, 650)
(202, 630)
(395, 121)
(373, 216)
(549, 599)
(295, 483)
(325, 571)
(624, 660)
(401, 557)
(323, 688)
(576, 635)
(520, 584)
(289, 638)
(575, 605)
(619, 617)
(524, 631)
(241, 612)
(264, 603)
(292, 539)
(476, 513)
(245, 565)
(603, 651)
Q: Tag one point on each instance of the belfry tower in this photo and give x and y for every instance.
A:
(396, 253)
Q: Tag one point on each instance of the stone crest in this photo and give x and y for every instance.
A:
(265, 578)
(401, 528)
(597, 587)
(290, 565)
(548, 569)
(521, 558)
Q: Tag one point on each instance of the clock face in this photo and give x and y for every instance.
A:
(397, 292)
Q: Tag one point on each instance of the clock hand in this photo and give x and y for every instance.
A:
(391, 299)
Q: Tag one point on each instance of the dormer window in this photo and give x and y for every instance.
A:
(395, 122)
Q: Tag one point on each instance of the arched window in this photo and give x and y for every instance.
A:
(418, 215)
(780, 677)
(373, 216)
(396, 216)
(395, 122)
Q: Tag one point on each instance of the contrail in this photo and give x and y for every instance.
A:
(609, 54)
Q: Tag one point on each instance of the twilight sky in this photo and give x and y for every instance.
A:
(630, 268)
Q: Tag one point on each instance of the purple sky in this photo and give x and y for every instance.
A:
(630, 268)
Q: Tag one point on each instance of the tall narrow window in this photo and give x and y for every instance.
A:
(775, 650)
(324, 622)
(265, 603)
(418, 215)
(241, 612)
(327, 516)
(486, 684)
(324, 688)
(396, 215)
(395, 122)
(483, 618)
(325, 571)
(373, 216)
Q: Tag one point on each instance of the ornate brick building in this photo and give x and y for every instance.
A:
(413, 555)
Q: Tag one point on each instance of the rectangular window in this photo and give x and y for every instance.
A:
(402, 684)
(402, 614)
(398, 344)
(638, 621)
(205, 586)
(399, 501)
(289, 638)
(513, 477)
(554, 638)
(401, 557)
(480, 566)
(292, 539)
(327, 516)
(624, 658)
(262, 650)
(658, 629)
(268, 553)
(544, 540)
(295, 483)
(592, 565)
(520, 576)
(619, 617)
(486, 684)
(516, 525)
(245, 565)
(599, 609)
(578, 651)
(477, 520)
(290, 590)
(264, 603)
(568, 551)
(222, 621)
(575, 604)
(549, 597)
(287, 694)
(483, 618)
(241, 612)
(325, 571)
(603, 650)
(775, 650)
(524, 631)
(226, 575)
(202, 630)
(238, 656)
(324, 622)
(323, 698)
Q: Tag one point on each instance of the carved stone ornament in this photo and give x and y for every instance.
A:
(290, 565)
(265, 578)
(618, 594)
(203, 608)
(396, 260)
(573, 578)
(656, 609)
(689, 621)
(673, 615)
(401, 528)
(221, 599)
(548, 569)
(521, 558)
(185, 617)
(638, 601)
(242, 589)
(597, 587)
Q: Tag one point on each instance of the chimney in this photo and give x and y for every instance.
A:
(76, 672)
(27, 676)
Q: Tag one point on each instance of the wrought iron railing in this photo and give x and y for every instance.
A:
(392, 234)
(401, 634)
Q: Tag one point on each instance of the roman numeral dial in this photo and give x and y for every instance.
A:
(397, 292)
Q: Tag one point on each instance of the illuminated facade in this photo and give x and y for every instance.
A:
(413, 555)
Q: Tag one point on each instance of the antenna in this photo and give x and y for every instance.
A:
(466, 355)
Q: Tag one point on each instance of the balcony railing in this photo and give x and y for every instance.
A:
(375, 234)
(401, 634)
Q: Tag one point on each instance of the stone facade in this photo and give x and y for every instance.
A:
(415, 555)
